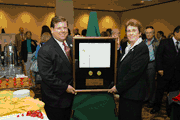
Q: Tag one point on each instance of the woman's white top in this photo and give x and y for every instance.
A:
(128, 48)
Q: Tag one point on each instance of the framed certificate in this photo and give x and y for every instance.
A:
(94, 63)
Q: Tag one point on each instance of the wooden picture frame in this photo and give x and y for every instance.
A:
(98, 81)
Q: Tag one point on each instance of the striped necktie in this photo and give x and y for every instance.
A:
(177, 43)
(67, 50)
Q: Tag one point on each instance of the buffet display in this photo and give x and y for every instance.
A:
(19, 104)
(15, 99)
(18, 82)
(11, 73)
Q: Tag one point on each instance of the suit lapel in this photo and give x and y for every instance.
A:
(127, 54)
(173, 46)
(119, 58)
(61, 53)
(119, 62)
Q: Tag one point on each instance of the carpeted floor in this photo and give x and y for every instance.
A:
(145, 111)
(162, 115)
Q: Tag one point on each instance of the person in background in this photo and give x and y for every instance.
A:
(27, 48)
(109, 32)
(170, 35)
(168, 67)
(76, 32)
(152, 44)
(131, 75)
(116, 33)
(104, 34)
(44, 38)
(45, 28)
(55, 68)
(2, 30)
(160, 35)
(18, 40)
(69, 31)
(143, 36)
(83, 33)
(124, 43)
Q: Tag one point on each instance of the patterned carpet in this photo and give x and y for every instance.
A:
(145, 111)
(161, 115)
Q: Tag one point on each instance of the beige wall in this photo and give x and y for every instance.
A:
(163, 17)
(105, 19)
(30, 18)
(66, 5)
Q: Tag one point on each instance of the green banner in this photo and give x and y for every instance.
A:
(93, 27)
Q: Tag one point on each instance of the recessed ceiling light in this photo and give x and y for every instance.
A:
(25, 3)
(111, 9)
(89, 7)
(142, 2)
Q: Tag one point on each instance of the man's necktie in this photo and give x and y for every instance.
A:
(22, 37)
(67, 50)
(177, 43)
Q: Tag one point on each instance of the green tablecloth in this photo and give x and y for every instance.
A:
(94, 106)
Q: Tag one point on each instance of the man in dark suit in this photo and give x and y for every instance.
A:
(152, 44)
(18, 39)
(55, 67)
(168, 66)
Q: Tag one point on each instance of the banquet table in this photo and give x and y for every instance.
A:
(18, 70)
(93, 105)
(32, 94)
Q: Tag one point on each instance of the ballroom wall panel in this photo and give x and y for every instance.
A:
(162, 17)
(30, 18)
(64, 8)
(105, 19)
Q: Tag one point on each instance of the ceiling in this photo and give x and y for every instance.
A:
(50, 3)
(115, 5)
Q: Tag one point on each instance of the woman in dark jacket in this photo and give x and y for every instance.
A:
(131, 74)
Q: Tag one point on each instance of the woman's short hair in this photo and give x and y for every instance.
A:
(84, 31)
(161, 33)
(45, 28)
(28, 32)
(45, 37)
(56, 19)
(135, 23)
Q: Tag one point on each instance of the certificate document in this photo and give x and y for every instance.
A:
(94, 55)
